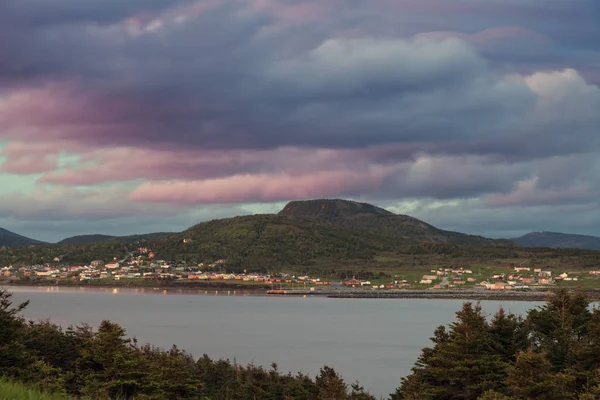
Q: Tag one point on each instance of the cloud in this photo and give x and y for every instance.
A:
(258, 188)
(124, 109)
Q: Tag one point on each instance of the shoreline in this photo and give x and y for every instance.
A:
(454, 295)
(150, 284)
(333, 294)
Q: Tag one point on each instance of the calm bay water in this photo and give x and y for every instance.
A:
(375, 341)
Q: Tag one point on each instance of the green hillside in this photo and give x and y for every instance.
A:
(319, 236)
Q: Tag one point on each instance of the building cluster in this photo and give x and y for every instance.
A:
(447, 277)
(517, 278)
(140, 268)
(522, 278)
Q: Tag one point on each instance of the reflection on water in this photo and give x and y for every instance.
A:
(129, 291)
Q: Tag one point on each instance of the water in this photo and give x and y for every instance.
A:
(375, 341)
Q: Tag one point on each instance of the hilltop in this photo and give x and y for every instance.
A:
(558, 240)
(331, 209)
(380, 222)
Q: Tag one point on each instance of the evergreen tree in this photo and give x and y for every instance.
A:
(331, 385)
(461, 365)
(508, 335)
(531, 378)
(14, 356)
(559, 327)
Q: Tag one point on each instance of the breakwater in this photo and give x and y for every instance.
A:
(441, 294)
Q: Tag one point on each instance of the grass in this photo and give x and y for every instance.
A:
(16, 391)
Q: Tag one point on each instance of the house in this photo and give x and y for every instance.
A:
(349, 282)
(114, 265)
(430, 277)
(521, 269)
(426, 281)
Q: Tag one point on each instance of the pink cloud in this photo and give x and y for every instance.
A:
(263, 187)
(24, 159)
(489, 36)
(28, 165)
(119, 164)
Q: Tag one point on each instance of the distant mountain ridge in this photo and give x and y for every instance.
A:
(95, 238)
(558, 240)
(82, 239)
(11, 239)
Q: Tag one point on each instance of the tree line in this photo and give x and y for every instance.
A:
(551, 353)
(104, 364)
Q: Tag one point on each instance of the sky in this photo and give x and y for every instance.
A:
(121, 117)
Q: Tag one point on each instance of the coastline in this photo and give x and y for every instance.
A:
(474, 295)
(148, 284)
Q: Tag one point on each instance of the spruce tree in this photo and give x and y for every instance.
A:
(462, 364)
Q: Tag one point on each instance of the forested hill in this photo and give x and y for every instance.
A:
(94, 238)
(81, 239)
(558, 240)
(316, 235)
(310, 234)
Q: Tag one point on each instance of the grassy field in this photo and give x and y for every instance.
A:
(17, 391)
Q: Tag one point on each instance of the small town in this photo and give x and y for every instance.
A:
(141, 265)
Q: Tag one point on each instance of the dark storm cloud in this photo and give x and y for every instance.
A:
(412, 99)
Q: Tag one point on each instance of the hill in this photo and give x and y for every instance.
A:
(81, 239)
(11, 239)
(558, 240)
(322, 236)
(378, 221)
(95, 238)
